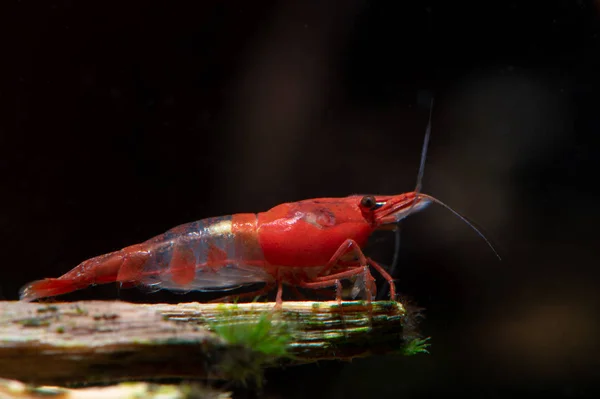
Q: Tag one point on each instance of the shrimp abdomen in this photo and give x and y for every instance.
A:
(220, 253)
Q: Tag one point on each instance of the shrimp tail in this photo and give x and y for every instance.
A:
(46, 288)
(124, 266)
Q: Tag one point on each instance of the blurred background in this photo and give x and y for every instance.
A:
(120, 120)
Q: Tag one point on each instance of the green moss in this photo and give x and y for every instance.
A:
(262, 341)
(262, 335)
(415, 346)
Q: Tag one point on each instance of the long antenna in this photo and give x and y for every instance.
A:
(420, 183)
(423, 157)
(464, 219)
(417, 190)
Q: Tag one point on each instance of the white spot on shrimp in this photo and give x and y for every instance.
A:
(321, 218)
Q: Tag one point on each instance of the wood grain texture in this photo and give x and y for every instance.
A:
(103, 341)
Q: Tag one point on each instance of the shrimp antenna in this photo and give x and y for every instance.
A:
(464, 219)
(417, 189)
(423, 157)
(420, 183)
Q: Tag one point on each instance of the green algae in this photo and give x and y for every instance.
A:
(263, 342)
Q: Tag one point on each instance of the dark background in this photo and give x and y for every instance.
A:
(120, 120)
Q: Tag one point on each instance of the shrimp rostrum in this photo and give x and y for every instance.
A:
(311, 244)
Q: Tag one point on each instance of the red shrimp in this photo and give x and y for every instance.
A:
(311, 244)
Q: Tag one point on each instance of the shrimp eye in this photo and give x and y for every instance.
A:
(368, 202)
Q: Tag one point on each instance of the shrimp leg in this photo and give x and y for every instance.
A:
(386, 276)
(334, 279)
(325, 284)
(345, 248)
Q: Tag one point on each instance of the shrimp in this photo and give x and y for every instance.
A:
(311, 244)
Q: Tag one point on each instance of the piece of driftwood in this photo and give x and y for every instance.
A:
(102, 341)
(321, 330)
(11, 389)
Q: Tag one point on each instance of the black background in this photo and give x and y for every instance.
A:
(120, 120)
